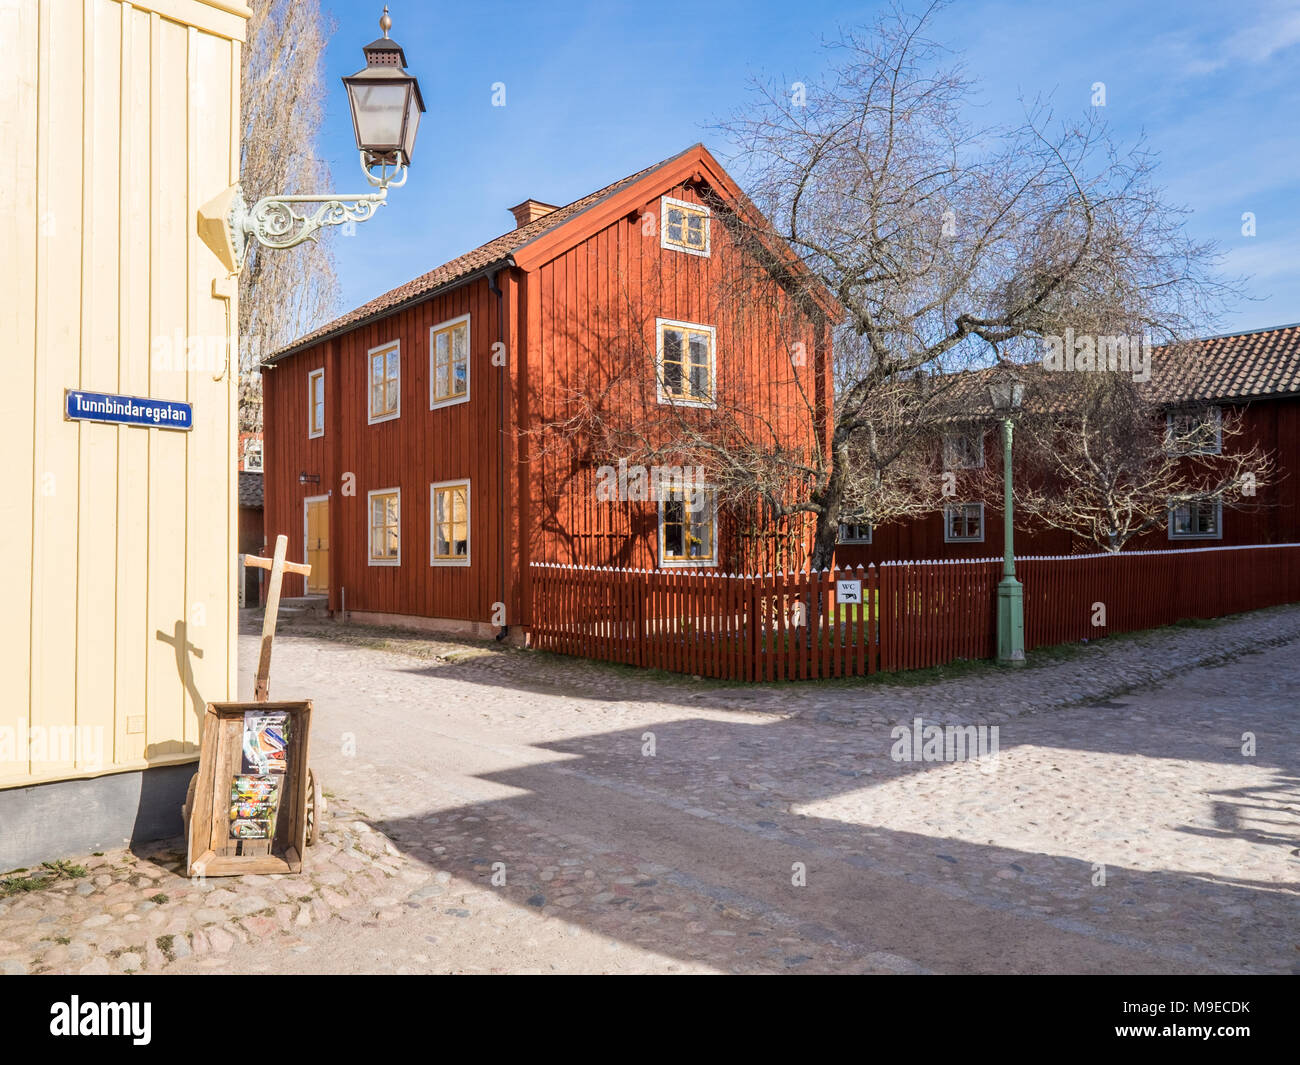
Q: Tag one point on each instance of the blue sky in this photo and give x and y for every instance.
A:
(597, 90)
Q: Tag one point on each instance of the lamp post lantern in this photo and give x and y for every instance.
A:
(386, 105)
(1007, 393)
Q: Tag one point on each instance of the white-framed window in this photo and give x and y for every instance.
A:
(385, 382)
(688, 527)
(253, 455)
(686, 362)
(316, 403)
(449, 362)
(963, 450)
(963, 523)
(685, 226)
(449, 528)
(1194, 432)
(384, 506)
(1197, 519)
(854, 532)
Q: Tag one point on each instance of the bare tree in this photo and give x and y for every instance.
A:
(282, 294)
(1106, 457)
(946, 245)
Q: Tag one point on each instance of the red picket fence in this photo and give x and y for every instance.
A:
(909, 615)
(784, 626)
(1082, 597)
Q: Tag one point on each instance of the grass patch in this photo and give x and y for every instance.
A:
(49, 873)
(159, 900)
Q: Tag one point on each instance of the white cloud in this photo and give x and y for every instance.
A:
(1252, 44)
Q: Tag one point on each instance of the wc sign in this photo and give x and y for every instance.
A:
(847, 592)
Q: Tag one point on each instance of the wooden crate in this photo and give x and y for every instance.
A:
(212, 851)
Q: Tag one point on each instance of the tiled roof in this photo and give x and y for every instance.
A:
(485, 255)
(1259, 364)
(1263, 364)
(250, 490)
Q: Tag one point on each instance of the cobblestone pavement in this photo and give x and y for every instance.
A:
(453, 765)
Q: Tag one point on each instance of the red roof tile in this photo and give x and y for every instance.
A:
(1263, 363)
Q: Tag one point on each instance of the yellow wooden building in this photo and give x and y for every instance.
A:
(118, 120)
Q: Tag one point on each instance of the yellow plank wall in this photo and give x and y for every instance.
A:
(118, 121)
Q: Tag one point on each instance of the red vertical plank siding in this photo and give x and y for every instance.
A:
(417, 449)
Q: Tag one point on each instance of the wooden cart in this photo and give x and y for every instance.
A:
(301, 802)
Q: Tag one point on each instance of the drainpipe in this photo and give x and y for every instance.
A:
(494, 286)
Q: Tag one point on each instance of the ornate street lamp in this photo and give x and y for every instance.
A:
(386, 106)
(1007, 393)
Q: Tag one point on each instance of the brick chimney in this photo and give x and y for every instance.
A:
(530, 211)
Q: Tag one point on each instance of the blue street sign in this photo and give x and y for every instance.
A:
(129, 410)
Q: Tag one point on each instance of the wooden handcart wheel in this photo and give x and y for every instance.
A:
(315, 806)
(189, 801)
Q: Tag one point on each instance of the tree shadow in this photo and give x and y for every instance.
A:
(692, 853)
(1240, 813)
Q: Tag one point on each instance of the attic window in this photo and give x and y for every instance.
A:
(685, 226)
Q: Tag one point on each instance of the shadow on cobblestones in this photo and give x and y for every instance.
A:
(726, 831)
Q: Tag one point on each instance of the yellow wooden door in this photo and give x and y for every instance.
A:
(318, 546)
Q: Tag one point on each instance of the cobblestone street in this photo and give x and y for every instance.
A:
(643, 823)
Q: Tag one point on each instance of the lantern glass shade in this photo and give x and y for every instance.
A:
(412, 124)
(385, 112)
(1007, 393)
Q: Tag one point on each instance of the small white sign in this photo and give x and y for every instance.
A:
(848, 592)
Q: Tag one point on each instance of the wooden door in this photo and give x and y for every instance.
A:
(317, 549)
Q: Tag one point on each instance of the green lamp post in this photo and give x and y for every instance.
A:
(1007, 392)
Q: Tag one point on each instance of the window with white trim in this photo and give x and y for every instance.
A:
(688, 527)
(685, 226)
(316, 403)
(1197, 519)
(385, 506)
(253, 455)
(963, 523)
(449, 362)
(385, 382)
(449, 505)
(686, 365)
(1194, 432)
(963, 450)
(854, 532)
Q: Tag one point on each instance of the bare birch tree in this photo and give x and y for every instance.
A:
(282, 294)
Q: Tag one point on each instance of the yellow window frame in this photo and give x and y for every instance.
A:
(316, 401)
(385, 386)
(708, 520)
(686, 362)
(388, 527)
(456, 521)
(450, 361)
(688, 212)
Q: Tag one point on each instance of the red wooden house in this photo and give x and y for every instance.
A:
(410, 445)
(1256, 374)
